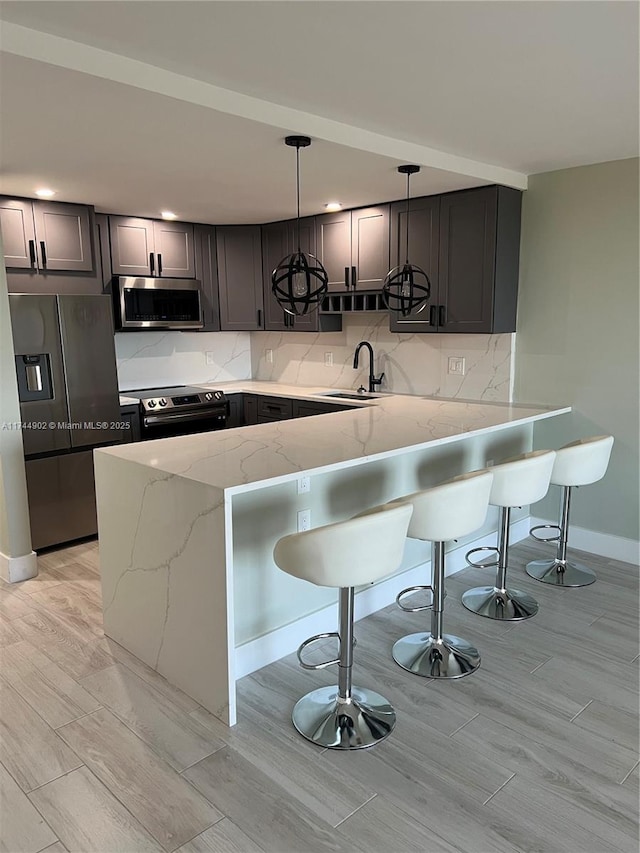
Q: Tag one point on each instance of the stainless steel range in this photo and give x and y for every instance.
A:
(180, 410)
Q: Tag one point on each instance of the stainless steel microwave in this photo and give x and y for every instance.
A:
(156, 303)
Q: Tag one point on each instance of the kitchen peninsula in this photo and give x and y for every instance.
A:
(187, 525)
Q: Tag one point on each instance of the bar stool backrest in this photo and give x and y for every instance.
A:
(348, 553)
(582, 462)
(450, 509)
(523, 479)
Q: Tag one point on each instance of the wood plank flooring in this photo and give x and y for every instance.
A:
(536, 751)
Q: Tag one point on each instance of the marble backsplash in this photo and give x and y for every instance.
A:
(156, 359)
(412, 364)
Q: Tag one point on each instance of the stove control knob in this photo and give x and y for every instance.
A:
(162, 402)
(152, 404)
(208, 396)
(219, 395)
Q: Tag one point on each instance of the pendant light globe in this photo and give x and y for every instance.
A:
(299, 283)
(406, 288)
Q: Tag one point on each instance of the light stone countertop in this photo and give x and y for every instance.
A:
(249, 457)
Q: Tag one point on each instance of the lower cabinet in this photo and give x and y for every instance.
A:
(256, 409)
(250, 407)
(309, 408)
(130, 414)
(274, 409)
(235, 418)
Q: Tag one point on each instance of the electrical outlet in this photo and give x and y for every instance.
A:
(268, 356)
(328, 359)
(456, 365)
(304, 520)
(304, 485)
(209, 358)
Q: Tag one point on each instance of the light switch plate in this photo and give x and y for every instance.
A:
(268, 356)
(456, 365)
(328, 359)
(209, 358)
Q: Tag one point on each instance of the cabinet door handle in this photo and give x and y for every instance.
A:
(433, 319)
(32, 252)
(259, 313)
(346, 277)
(43, 253)
(354, 278)
(159, 264)
(152, 263)
(442, 315)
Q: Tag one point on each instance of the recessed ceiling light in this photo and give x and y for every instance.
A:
(333, 205)
(45, 193)
(168, 214)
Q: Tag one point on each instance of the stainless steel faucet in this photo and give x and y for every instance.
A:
(372, 379)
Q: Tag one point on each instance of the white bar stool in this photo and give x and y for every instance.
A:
(442, 513)
(345, 555)
(577, 464)
(516, 482)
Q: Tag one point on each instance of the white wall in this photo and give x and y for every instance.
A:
(157, 359)
(577, 334)
(17, 561)
(412, 364)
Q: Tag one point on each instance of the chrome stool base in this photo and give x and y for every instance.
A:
(355, 723)
(423, 654)
(557, 574)
(508, 605)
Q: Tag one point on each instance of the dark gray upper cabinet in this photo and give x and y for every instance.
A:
(207, 274)
(468, 243)
(353, 246)
(47, 236)
(478, 260)
(149, 247)
(240, 278)
(424, 224)
(280, 239)
(275, 247)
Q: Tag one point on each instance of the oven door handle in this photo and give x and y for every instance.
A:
(181, 417)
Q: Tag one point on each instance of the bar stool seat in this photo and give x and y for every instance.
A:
(577, 464)
(345, 555)
(516, 482)
(444, 512)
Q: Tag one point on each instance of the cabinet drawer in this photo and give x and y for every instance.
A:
(308, 409)
(274, 408)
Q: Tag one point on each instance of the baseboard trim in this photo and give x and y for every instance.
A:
(271, 647)
(602, 544)
(16, 569)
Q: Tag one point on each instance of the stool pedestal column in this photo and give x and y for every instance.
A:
(434, 654)
(349, 717)
(498, 602)
(561, 572)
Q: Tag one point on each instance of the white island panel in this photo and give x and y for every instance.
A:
(183, 521)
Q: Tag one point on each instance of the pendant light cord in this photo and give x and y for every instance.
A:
(298, 192)
(407, 245)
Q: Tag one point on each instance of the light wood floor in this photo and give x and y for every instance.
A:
(537, 751)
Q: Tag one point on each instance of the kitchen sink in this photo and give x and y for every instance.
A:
(352, 396)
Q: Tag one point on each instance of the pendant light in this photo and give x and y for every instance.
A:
(407, 288)
(299, 282)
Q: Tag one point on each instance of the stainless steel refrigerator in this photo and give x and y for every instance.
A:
(68, 389)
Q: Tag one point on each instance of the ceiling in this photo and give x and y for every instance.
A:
(142, 106)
